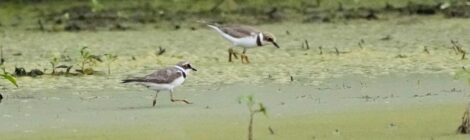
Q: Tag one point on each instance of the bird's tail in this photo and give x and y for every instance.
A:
(130, 80)
(212, 25)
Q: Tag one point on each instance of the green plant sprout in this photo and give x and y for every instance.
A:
(110, 58)
(54, 61)
(251, 104)
(7, 76)
(88, 61)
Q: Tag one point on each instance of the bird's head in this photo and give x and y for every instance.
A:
(268, 38)
(186, 65)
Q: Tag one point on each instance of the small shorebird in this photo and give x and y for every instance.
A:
(245, 37)
(165, 79)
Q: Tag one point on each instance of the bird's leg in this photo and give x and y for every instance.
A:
(230, 53)
(178, 100)
(243, 56)
(155, 98)
(235, 54)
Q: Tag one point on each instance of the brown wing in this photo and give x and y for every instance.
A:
(239, 31)
(166, 75)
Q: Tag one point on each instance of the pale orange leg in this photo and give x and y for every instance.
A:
(244, 57)
(178, 100)
(230, 53)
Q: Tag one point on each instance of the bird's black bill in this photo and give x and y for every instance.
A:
(193, 69)
(275, 45)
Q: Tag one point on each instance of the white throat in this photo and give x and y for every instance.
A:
(261, 38)
(182, 70)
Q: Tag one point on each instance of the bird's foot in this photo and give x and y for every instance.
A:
(154, 103)
(181, 100)
(245, 59)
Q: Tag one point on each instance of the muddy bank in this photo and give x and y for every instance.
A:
(88, 18)
(108, 15)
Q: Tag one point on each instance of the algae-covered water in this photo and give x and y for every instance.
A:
(350, 95)
(401, 51)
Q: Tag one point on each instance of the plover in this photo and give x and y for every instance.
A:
(245, 37)
(165, 79)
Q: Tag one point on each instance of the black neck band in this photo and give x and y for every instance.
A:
(184, 74)
(258, 40)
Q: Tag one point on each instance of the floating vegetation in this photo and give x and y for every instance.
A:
(251, 104)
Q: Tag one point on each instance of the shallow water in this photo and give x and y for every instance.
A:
(351, 107)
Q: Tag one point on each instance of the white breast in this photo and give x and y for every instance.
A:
(246, 42)
(178, 81)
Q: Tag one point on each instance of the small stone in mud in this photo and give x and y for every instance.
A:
(20, 71)
(35, 72)
(177, 27)
(386, 38)
(336, 131)
(17, 54)
(392, 125)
